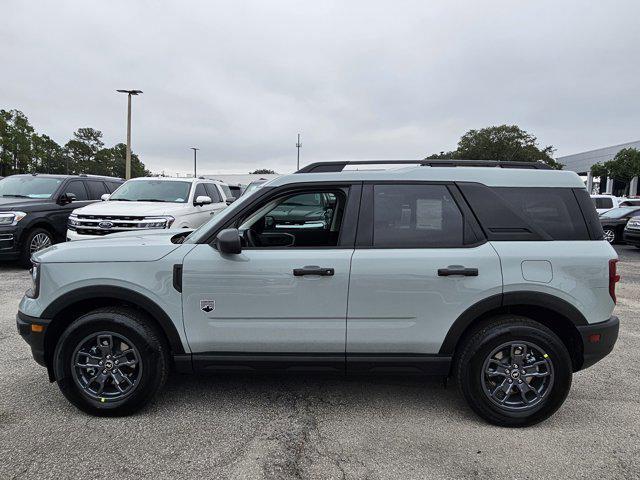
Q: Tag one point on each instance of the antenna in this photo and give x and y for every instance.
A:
(298, 145)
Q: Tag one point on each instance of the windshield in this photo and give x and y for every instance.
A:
(253, 187)
(603, 202)
(152, 191)
(199, 232)
(619, 212)
(29, 186)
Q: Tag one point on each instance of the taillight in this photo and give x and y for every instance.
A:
(613, 278)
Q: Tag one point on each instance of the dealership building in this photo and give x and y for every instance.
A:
(581, 164)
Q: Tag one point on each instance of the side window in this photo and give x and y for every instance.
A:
(416, 216)
(200, 191)
(553, 210)
(113, 186)
(96, 189)
(212, 191)
(309, 219)
(603, 202)
(77, 188)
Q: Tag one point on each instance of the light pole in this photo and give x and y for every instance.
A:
(298, 145)
(128, 162)
(195, 161)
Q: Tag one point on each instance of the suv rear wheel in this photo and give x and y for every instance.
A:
(514, 372)
(111, 362)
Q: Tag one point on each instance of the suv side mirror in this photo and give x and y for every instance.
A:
(202, 200)
(230, 200)
(228, 241)
(105, 197)
(66, 198)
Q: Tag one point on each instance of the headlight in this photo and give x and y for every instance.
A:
(34, 291)
(72, 223)
(635, 224)
(11, 218)
(156, 222)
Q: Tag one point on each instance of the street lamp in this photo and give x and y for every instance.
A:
(195, 161)
(128, 162)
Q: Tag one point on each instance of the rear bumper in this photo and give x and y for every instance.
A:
(35, 339)
(598, 340)
(631, 237)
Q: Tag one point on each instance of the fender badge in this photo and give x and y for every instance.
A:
(207, 306)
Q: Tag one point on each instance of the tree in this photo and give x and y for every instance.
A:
(624, 166)
(505, 143)
(262, 171)
(15, 142)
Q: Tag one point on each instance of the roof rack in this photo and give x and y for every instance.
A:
(325, 167)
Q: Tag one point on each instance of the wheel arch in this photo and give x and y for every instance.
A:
(64, 310)
(556, 314)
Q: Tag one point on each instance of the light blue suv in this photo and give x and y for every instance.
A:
(494, 273)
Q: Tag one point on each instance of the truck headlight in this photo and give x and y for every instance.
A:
(156, 222)
(11, 218)
(72, 223)
(34, 291)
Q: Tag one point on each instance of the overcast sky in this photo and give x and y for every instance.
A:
(358, 79)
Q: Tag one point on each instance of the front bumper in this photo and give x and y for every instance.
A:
(10, 242)
(33, 331)
(632, 237)
(598, 340)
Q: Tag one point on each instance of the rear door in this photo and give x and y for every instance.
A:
(420, 261)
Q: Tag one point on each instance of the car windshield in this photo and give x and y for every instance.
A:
(603, 202)
(253, 186)
(20, 186)
(619, 212)
(152, 191)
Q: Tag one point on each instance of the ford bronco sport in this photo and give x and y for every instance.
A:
(496, 274)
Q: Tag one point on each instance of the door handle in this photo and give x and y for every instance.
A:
(313, 270)
(457, 270)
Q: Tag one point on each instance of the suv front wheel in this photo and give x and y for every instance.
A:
(111, 362)
(514, 372)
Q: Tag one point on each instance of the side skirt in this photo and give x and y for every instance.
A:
(354, 364)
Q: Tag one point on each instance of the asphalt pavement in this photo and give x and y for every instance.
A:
(319, 427)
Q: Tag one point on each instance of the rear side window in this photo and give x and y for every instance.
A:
(603, 202)
(554, 211)
(213, 193)
(96, 189)
(417, 216)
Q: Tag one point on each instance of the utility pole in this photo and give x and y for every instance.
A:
(298, 145)
(128, 162)
(195, 161)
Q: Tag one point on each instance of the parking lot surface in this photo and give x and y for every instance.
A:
(319, 427)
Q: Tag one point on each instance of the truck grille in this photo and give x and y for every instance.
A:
(104, 225)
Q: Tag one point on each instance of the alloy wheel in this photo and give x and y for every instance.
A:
(609, 235)
(39, 242)
(517, 376)
(106, 366)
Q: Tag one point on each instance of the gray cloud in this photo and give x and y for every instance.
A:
(358, 79)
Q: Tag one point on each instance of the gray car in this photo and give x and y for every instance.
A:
(496, 277)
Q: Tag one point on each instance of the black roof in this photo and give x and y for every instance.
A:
(53, 175)
(324, 167)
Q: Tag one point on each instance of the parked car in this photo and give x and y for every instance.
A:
(150, 203)
(497, 277)
(613, 222)
(606, 202)
(631, 233)
(629, 202)
(34, 209)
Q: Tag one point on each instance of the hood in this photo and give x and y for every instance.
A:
(133, 209)
(146, 246)
(12, 203)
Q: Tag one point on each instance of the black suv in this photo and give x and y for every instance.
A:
(34, 209)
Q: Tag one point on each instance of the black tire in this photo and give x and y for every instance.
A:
(610, 235)
(139, 334)
(477, 349)
(30, 237)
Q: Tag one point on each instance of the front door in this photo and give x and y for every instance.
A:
(285, 293)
